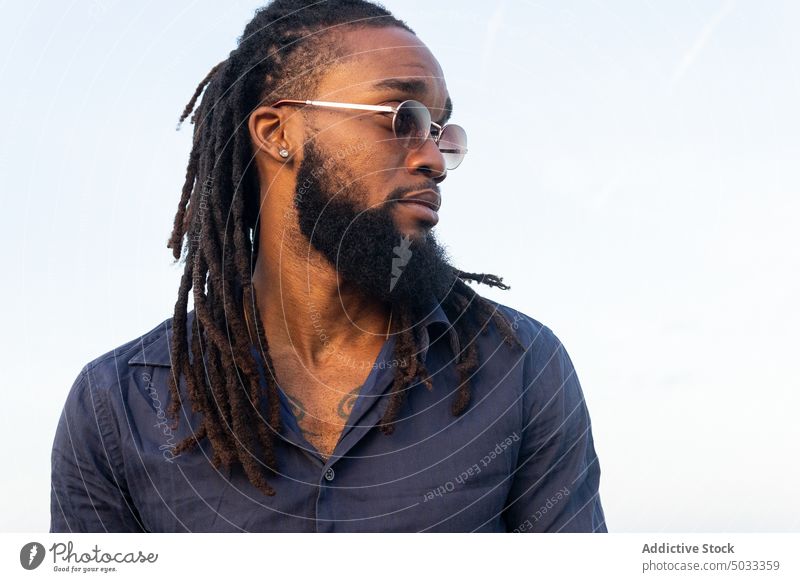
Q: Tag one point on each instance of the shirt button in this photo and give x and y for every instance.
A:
(329, 474)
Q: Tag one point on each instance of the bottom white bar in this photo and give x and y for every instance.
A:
(389, 557)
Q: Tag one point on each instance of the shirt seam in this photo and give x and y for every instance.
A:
(109, 440)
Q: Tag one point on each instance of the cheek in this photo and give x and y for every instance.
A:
(367, 148)
(370, 172)
(373, 150)
(366, 166)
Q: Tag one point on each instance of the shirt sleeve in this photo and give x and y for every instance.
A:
(88, 492)
(555, 486)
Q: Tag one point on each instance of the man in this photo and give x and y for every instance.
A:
(336, 372)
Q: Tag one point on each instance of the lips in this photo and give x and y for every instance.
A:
(427, 198)
(423, 205)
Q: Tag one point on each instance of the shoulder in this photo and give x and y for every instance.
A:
(89, 420)
(548, 373)
(534, 336)
(105, 376)
(149, 349)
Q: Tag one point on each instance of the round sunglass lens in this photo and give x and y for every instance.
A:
(453, 145)
(412, 124)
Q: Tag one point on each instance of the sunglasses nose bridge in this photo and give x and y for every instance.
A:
(435, 132)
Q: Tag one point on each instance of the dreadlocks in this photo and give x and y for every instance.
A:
(281, 51)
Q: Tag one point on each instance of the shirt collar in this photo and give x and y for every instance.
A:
(435, 325)
(153, 348)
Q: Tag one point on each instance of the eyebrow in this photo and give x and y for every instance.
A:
(414, 87)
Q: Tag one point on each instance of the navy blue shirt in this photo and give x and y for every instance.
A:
(520, 459)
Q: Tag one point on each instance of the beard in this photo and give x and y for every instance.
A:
(363, 244)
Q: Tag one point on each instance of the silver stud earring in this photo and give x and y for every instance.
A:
(284, 153)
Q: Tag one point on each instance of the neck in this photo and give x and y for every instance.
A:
(308, 311)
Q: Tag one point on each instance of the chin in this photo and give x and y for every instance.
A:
(416, 230)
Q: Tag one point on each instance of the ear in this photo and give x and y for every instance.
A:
(269, 132)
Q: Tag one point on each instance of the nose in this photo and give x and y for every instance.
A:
(428, 161)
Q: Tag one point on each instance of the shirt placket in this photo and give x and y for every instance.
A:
(364, 415)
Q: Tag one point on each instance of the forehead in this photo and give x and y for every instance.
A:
(369, 56)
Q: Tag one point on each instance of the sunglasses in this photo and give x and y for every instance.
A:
(411, 124)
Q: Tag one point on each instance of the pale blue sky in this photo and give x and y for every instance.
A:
(633, 174)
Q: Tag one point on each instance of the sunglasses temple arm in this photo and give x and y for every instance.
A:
(336, 105)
